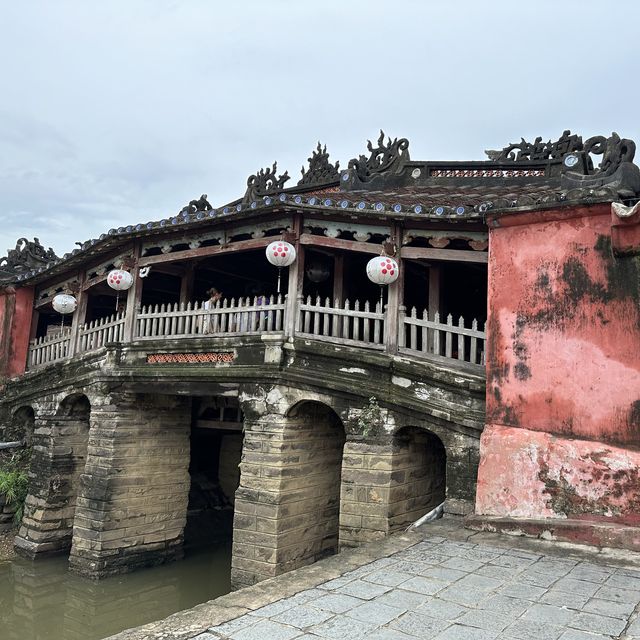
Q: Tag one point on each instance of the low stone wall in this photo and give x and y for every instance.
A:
(7, 515)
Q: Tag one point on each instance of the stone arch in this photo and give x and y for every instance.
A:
(75, 405)
(288, 503)
(318, 437)
(419, 475)
(21, 425)
(462, 449)
(58, 459)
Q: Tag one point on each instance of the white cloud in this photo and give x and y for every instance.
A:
(114, 113)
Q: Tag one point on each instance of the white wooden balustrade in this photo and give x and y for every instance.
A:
(345, 323)
(421, 336)
(48, 349)
(227, 317)
(97, 333)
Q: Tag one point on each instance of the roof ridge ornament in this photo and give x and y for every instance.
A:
(614, 151)
(320, 170)
(385, 158)
(264, 182)
(537, 150)
(26, 256)
(201, 204)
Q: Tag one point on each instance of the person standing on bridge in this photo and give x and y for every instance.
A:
(208, 321)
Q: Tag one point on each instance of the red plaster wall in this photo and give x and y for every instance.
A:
(537, 475)
(564, 329)
(563, 370)
(16, 308)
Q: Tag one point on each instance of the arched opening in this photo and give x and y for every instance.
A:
(312, 482)
(15, 454)
(69, 456)
(419, 476)
(21, 426)
(214, 469)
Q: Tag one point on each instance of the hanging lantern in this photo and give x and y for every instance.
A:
(281, 253)
(64, 303)
(382, 270)
(119, 280)
(317, 272)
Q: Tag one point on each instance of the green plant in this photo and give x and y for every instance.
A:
(14, 480)
(370, 418)
(14, 486)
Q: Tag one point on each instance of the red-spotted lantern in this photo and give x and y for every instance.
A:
(119, 280)
(382, 270)
(280, 254)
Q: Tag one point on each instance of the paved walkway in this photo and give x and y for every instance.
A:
(439, 582)
(444, 589)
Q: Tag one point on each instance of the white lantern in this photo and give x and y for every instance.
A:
(64, 303)
(382, 270)
(281, 253)
(119, 279)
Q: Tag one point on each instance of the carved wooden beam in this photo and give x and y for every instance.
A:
(189, 254)
(451, 255)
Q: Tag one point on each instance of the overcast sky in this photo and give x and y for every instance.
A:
(118, 112)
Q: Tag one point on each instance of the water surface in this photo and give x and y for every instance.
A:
(42, 601)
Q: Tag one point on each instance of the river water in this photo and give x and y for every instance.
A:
(42, 601)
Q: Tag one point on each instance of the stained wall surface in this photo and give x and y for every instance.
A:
(16, 307)
(563, 339)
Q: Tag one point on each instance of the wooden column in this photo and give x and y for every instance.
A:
(35, 319)
(435, 279)
(394, 301)
(338, 277)
(186, 284)
(134, 296)
(78, 317)
(296, 278)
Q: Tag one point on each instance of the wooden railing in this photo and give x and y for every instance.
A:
(48, 349)
(97, 333)
(242, 316)
(421, 336)
(348, 323)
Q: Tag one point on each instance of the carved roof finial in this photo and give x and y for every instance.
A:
(320, 170)
(26, 256)
(385, 158)
(264, 182)
(614, 151)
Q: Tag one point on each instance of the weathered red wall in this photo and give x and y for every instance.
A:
(532, 474)
(563, 359)
(16, 309)
(564, 329)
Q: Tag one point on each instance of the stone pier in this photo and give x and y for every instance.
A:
(132, 506)
(287, 504)
(59, 453)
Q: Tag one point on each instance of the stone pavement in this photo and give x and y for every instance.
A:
(445, 583)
